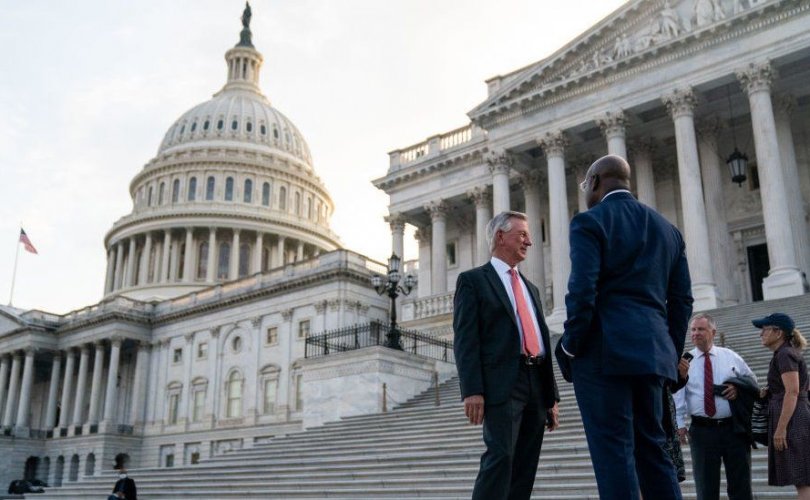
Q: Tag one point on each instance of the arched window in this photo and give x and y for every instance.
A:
(309, 208)
(192, 189)
(73, 473)
(209, 189)
(206, 125)
(220, 124)
(248, 194)
(160, 193)
(90, 465)
(224, 260)
(234, 125)
(249, 127)
(182, 129)
(44, 470)
(59, 471)
(275, 132)
(202, 260)
(234, 395)
(297, 203)
(266, 194)
(282, 198)
(194, 126)
(175, 190)
(229, 189)
(263, 129)
(149, 198)
(244, 260)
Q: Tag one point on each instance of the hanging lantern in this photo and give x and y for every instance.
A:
(737, 163)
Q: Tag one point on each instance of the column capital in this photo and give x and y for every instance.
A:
(116, 341)
(784, 104)
(287, 314)
(396, 222)
(30, 350)
(613, 123)
(85, 349)
(680, 102)
(709, 127)
(553, 143)
(532, 178)
(437, 210)
(189, 337)
(500, 161)
(215, 331)
(320, 307)
(481, 196)
(756, 77)
(99, 344)
(236, 230)
(423, 234)
(256, 322)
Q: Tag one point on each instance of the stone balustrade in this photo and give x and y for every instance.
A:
(434, 305)
(435, 145)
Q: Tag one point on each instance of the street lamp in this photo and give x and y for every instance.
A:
(392, 287)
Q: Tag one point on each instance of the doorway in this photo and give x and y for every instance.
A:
(758, 267)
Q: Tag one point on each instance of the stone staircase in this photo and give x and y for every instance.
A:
(418, 450)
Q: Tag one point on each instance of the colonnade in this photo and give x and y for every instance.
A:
(217, 254)
(701, 198)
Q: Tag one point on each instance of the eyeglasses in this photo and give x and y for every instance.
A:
(585, 185)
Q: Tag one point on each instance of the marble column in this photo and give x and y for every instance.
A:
(258, 252)
(279, 253)
(188, 256)
(299, 251)
(397, 224)
(53, 391)
(613, 125)
(785, 105)
(184, 406)
(553, 144)
(139, 388)
(681, 104)
(81, 386)
(129, 275)
(174, 260)
(24, 407)
(784, 278)
(95, 386)
(422, 235)
(233, 270)
(119, 266)
(110, 400)
(438, 258)
(13, 391)
(482, 199)
(500, 164)
(143, 274)
(109, 282)
(641, 152)
(4, 362)
(67, 389)
(211, 266)
(720, 244)
(167, 249)
(534, 265)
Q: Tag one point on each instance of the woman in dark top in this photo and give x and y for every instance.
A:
(124, 488)
(788, 408)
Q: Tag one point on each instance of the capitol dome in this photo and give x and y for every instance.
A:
(232, 192)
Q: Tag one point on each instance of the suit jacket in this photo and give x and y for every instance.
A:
(629, 294)
(127, 486)
(487, 340)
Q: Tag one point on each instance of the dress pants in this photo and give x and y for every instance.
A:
(711, 444)
(513, 435)
(622, 418)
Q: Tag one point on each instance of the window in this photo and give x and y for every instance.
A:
(303, 328)
(271, 336)
(309, 208)
(195, 458)
(229, 189)
(206, 124)
(160, 193)
(263, 129)
(224, 260)
(149, 199)
(270, 389)
(297, 203)
(236, 344)
(174, 405)
(234, 395)
(275, 132)
(266, 194)
(451, 254)
(194, 126)
(198, 410)
(249, 127)
(234, 125)
(244, 260)
(202, 261)
(182, 129)
(753, 177)
(220, 124)
(175, 190)
(247, 197)
(177, 357)
(202, 350)
(209, 188)
(282, 198)
(170, 460)
(192, 189)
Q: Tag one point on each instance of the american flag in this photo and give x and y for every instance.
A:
(29, 247)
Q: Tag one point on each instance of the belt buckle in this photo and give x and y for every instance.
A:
(532, 360)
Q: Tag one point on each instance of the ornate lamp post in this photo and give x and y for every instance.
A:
(392, 288)
(737, 162)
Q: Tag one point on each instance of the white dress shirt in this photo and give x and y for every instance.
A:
(502, 268)
(725, 365)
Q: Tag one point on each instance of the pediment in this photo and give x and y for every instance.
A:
(9, 322)
(636, 32)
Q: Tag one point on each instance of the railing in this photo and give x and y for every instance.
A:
(377, 334)
(433, 305)
(436, 144)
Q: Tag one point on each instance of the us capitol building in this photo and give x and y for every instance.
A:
(227, 265)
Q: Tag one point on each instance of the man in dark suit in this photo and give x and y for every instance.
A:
(501, 347)
(629, 301)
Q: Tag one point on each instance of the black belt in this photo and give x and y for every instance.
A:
(710, 422)
(532, 360)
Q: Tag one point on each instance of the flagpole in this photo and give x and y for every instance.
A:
(14, 274)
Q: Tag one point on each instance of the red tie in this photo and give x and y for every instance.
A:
(530, 343)
(708, 386)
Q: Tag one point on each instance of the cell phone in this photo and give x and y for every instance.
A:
(687, 356)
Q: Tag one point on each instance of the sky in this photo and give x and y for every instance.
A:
(89, 88)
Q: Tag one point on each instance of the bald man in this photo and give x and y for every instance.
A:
(629, 301)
